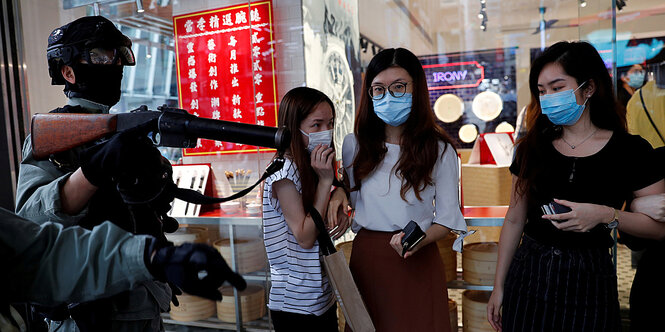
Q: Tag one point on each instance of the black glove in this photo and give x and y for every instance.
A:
(126, 157)
(196, 268)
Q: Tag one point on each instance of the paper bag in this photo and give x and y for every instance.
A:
(340, 277)
(347, 294)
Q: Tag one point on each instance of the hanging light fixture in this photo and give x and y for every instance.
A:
(482, 15)
(582, 3)
(139, 6)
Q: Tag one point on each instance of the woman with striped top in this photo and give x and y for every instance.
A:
(301, 296)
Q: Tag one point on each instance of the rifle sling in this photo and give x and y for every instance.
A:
(192, 196)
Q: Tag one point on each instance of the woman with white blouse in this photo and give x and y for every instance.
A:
(400, 166)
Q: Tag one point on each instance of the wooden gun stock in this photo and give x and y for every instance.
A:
(57, 132)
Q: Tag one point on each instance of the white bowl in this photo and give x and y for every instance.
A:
(230, 207)
(253, 208)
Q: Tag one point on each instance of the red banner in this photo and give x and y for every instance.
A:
(226, 69)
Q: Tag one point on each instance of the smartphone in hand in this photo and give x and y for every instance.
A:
(412, 236)
(555, 208)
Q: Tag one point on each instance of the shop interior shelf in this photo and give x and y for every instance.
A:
(214, 323)
(484, 216)
(459, 283)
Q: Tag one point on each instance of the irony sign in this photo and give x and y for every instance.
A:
(454, 75)
(226, 69)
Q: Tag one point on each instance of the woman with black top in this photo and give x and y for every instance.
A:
(578, 154)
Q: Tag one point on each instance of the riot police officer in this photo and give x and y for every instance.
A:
(79, 186)
(50, 265)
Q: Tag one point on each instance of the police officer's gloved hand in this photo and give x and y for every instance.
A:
(125, 157)
(197, 269)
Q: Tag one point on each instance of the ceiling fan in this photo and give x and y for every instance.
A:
(542, 25)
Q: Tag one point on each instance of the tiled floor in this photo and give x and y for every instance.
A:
(625, 278)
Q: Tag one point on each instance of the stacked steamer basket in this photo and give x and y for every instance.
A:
(474, 311)
(191, 307)
(448, 256)
(345, 247)
(250, 254)
(452, 311)
(252, 304)
(479, 262)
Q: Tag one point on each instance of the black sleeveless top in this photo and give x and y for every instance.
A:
(609, 177)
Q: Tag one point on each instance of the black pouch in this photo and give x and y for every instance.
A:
(92, 316)
(412, 236)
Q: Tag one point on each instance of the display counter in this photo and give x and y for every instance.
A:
(243, 225)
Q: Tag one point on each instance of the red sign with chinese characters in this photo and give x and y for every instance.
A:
(226, 69)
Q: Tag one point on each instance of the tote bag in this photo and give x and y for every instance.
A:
(345, 289)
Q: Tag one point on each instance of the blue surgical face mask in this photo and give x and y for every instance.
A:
(562, 108)
(636, 79)
(392, 110)
(323, 137)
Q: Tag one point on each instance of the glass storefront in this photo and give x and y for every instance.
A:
(234, 60)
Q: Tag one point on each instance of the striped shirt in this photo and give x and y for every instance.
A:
(299, 284)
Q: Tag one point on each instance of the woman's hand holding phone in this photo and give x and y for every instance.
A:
(582, 217)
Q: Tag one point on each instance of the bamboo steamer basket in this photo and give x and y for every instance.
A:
(485, 185)
(192, 308)
(474, 311)
(252, 302)
(250, 253)
(479, 262)
(452, 309)
(345, 247)
(448, 256)
(188, 234)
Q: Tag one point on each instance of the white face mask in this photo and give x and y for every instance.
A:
(320, 137)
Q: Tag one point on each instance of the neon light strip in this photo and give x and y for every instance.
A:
(457, 86)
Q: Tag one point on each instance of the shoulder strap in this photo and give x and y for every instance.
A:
(325, 243)
(68, 109)
(644, 106)
(195, 197)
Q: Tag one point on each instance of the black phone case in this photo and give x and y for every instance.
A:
(412, 236)
(558, 208)
(555, 208)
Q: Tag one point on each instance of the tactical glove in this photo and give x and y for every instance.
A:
(125, 157)
(197, 269)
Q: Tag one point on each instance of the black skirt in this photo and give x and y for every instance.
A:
(560, 289)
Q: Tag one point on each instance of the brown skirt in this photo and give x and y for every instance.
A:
(400, 294)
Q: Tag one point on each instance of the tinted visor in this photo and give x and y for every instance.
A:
(121, 55)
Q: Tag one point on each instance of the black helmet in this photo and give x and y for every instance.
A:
(76, 40)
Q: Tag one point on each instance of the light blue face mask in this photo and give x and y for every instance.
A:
(636, 79)
(562, 108)
(323, 137)
(392, 110)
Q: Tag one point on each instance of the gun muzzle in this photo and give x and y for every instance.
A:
(242, 133)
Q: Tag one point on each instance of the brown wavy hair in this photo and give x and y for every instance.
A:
(296, 105)
(581, 61)
(421, 135)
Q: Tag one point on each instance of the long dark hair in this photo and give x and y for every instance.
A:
(581, 61)
(296, 105)
(421, 136)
